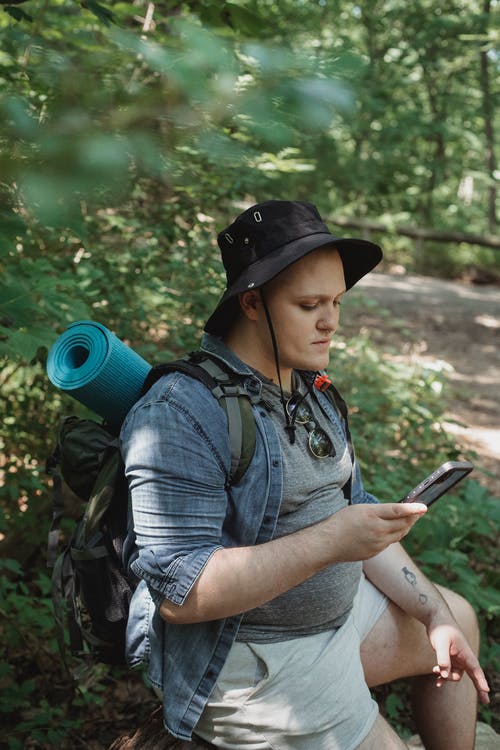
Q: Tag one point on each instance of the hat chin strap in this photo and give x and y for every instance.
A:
(290, 427)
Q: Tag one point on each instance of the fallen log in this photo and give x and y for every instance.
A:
(152, 735)
(437, 235)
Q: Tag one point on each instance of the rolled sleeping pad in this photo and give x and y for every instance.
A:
(98, 369)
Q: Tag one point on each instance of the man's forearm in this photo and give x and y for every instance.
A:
(238, 579)
(400, 579)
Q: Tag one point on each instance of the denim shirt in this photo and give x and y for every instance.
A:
(177, 457)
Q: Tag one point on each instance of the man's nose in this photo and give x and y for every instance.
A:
(329, 321)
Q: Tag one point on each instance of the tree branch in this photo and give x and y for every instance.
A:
(437, 235)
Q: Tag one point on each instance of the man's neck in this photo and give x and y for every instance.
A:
(253, 354)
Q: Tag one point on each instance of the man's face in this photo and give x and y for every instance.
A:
(303, 302)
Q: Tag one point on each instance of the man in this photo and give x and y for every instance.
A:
(267, 608)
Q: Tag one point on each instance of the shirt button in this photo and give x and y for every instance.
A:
(276, 463)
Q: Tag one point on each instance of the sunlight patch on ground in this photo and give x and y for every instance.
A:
(488, 321)
(431, 287)
(485, 379)
(488, 438)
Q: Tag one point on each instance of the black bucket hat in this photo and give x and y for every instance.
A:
(267, 238)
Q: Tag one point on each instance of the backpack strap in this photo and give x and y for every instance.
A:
(236, 402)
(102, 494)
(62, 592)
(225, 386)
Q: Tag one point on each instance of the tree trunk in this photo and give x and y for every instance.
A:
(488, 126)
(152, 735)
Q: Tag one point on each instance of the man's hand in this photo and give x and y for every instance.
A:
(362, 531)
(454, 657)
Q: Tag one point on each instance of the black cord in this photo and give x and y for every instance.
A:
(299, 401)
(290, 426)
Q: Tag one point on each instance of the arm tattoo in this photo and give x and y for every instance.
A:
(410, 577)
(412, 580)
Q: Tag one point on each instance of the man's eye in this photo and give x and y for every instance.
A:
(309, 307)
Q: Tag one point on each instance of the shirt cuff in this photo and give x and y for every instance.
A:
(177, 580)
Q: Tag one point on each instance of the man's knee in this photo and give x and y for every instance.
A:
(464, 614)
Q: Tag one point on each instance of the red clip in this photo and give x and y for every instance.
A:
(322, 382)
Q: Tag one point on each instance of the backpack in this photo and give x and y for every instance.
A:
(90, 588)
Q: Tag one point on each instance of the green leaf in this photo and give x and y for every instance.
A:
(17, 13)
(24, 344)
(105, 15)
(242, 20)
(12, 566)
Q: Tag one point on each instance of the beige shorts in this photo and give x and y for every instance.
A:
(302, 694)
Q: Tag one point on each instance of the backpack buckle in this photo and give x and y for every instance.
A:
(322, 382)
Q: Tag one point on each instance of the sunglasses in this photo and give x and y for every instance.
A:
(319, 443)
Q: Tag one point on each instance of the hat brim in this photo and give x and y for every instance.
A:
(358, 257)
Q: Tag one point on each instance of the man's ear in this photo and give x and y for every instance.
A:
(250, 303)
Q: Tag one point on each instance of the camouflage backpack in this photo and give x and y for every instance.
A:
(90, 588)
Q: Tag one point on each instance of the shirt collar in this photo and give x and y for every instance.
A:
(215, 345)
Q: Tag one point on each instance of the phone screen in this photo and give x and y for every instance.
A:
(437, 484)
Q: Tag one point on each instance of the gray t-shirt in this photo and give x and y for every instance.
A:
(312, 491)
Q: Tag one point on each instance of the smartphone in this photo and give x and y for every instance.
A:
(439, 482)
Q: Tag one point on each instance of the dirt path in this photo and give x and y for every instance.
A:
(425, 319)
(456, 323)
